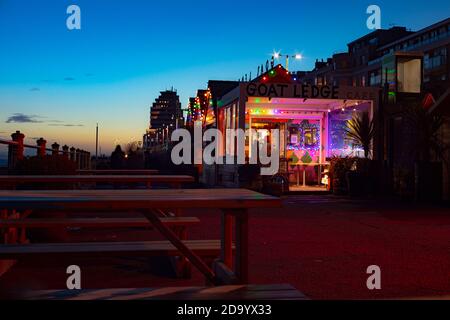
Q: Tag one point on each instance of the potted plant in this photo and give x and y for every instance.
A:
(339, 166)
(361, 130)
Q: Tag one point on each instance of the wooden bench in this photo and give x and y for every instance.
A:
(236, 293)
(178, 224)
(95, 222)
(70, 181)
(206, 248)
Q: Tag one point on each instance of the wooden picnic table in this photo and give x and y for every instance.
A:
(174, 180)
(233, 205)
(118, 172)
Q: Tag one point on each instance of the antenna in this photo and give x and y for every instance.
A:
(96, 146)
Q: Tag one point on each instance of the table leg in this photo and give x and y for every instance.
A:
(319, 173)
(4, 231)
(23, 231)
(304, 177)
(184, 250)
(227, 239)
(241, 264)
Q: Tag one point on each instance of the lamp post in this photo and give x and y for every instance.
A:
(278, 55)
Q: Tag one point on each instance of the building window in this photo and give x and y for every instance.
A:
(435, 59)
(363, 60)
(373, 41)
(319, 81)
(375, 78)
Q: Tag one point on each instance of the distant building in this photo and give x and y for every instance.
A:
(409, 67)
(166, 115)
(352, 67)
(434, 43)
(166, 111)
(204, 106)
(368, 59)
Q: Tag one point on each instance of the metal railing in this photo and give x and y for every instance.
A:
(16, 151)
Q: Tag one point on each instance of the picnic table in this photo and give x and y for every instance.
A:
(233, 205)
(173, 180)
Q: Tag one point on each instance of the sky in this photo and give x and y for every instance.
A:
(58, 83)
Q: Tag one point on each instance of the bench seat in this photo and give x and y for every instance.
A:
(94, 222)
(236, 292)
(207, 248)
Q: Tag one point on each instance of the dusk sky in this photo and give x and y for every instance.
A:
(57, 83)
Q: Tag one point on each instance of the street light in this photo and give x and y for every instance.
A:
(278, 55)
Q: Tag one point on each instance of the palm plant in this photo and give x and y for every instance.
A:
(361, 130)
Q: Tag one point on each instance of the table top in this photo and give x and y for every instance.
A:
(95, 178)
(136, 199)
(119, 171)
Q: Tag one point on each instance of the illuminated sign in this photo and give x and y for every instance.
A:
(279, 90)
(307, 91)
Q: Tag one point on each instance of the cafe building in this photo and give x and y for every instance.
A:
(311, 121)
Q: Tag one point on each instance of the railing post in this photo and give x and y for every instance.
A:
(72, 154)
(55, 149)
(65, 149)
(15, 152)
(41, 151)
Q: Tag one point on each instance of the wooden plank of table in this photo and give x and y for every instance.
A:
(236, 292)
(45, 223)
(15, 180)
(117, 172)
(136, 199)
(111, 249)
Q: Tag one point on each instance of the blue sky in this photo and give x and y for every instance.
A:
(111, 70)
